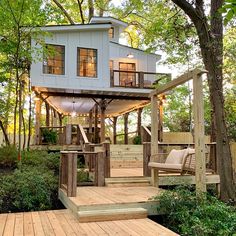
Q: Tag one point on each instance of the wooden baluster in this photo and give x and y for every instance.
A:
(106, 146)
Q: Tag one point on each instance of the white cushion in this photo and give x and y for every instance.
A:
(176, 156)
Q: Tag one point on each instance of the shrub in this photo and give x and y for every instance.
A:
(187, 215)
(49, 136)
(28, 189)
(137, 140)
(8, 157)
(42, 160)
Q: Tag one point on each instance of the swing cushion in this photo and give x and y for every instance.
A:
(174, 161)
(176, 156)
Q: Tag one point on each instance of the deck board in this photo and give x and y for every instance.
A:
(87, 196)
(63, 222)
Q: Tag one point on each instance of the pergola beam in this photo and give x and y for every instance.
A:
(176, 82)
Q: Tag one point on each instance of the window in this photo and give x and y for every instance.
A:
(111, 64)
(87, 62)
(54, 61)
(111, 33)
(127, 79)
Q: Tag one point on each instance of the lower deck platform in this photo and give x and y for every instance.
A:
(63, 222)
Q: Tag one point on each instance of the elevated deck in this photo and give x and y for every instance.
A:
(63, 222)
(107, 203)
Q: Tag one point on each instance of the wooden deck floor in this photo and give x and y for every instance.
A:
(87, 196)
(63, 222)
(126, 172)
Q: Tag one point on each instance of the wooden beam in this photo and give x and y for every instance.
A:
(114, 129)
(96, 124)
(126, 130)
(154, 137)
(139, 121)
(102, 119)
(199, 134)
(180, 80)
(38, 121)
(47, 114)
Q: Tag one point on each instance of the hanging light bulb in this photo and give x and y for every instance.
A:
(73, 113)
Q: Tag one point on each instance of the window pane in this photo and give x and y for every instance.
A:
(54, 60)
(87, 62)
(127, 79)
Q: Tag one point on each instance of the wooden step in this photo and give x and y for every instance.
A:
(127, 181)
(112, 214)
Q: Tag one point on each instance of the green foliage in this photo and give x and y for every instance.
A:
(8, 157)
(137, 140)
(189, 215)
(49, 136)
(28, 189)
(33, 185)
(229, 8)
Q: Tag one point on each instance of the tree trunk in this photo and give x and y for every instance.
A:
(4, 133)
(15, 112)
(211, 44)
(91, 9)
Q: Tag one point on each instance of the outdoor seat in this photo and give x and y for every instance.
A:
(178, 161)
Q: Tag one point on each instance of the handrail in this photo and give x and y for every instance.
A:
(83, 134)
(147, 130)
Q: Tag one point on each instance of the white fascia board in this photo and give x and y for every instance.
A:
(58, 28)
(114, 21)
(158, 56)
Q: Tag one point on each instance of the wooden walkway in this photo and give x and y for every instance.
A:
(63, 222)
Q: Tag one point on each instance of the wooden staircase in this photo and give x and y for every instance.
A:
(127, 181)
(112, 214)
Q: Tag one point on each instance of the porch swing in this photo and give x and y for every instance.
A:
(178, 161)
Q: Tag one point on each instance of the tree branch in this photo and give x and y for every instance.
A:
(81, 10)
(64, 12)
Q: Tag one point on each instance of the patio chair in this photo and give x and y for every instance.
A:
(178, 161)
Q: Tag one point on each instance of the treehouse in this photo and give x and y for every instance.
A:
(83, 70)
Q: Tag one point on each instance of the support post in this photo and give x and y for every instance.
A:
(72, 174)
(90, 121)
(146, 158)
(139, 121)
(96, 124)
(47, 114)
(102, 119)
(126, 138)
(38, 121)
(99, 169)
(154, 137)
(114, 129)
(199, 138)
(107, 171)
(68, 134)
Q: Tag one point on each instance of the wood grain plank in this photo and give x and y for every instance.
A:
(37, 224)
(3, 219)
(9, 226)
(58, 230)
(19, 225)
(47, 228)
(28, 224)
(64, 223)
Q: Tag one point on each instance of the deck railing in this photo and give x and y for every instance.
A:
(136, 79)
(98, 162)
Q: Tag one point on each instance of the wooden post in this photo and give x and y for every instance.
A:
(111, 78)
(72, 174)
(114, 129)
(141, 79)
(99, 170)
(199, 138)
(146, 158)
(90, 123)
(139, 121)
(68, 134)
(154, 137)
(126, 138)
(96, 124)
(102, 119)
(47, 114)
(106, 146)
(38, 121)
(160, 125)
